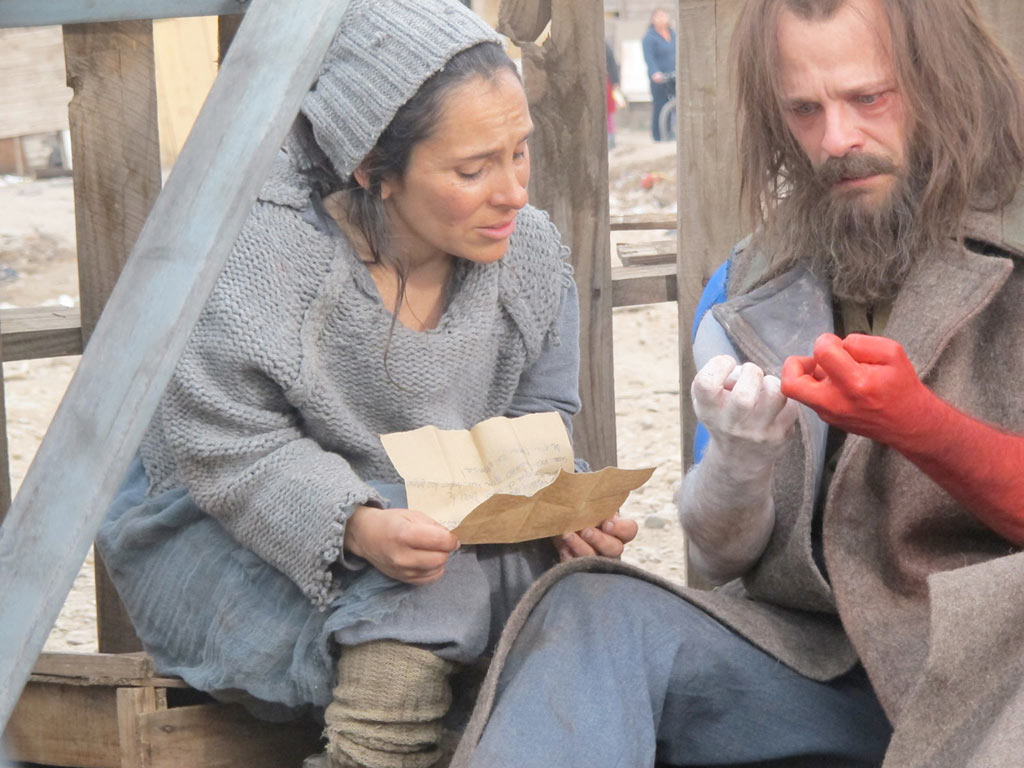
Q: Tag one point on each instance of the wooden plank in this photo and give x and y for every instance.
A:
(647, 284)
(186, 65)
(565, 86)
(32, 89)
(65, 725)
(96, 668)
(708, 186)
(642, 221)
(218, 735)
(109, 669)
(38, 13)
(116, 146)
(132, 705)
(654, 252)
(36, 332)
(140, 335)
(227, 28)
(152, 682)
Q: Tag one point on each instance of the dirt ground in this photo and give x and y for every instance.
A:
(37, 267)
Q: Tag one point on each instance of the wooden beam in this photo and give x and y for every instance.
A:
(116, 146)
(132, 705)
(95, 668)
(644, 284)
(42, 13)
(146, 323)
(215, 735)
(227, 28)
(708, 186)
(565, 86)
(707, 189)
(642, 221)
(652, 252)
(65, 725)
(101, 669)
(39, 332)
(35, 332)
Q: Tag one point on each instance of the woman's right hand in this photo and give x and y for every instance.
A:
(401, 543)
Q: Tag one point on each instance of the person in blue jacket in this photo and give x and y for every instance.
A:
(659, 44)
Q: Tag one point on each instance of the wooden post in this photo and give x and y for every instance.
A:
(564, 80)
(132, 705)
(227, 27)
(116, 146)
(20, 166)
(708, 188)
(708, 184)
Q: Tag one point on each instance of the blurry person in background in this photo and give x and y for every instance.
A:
(659, 46)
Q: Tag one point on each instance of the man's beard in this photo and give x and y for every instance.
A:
(865, 250)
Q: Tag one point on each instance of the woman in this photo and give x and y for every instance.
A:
(390, 275)
(659, 47)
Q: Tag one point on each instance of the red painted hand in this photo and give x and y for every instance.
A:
(861, 384)
(867, 386)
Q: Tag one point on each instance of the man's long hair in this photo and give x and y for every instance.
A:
(962, 94)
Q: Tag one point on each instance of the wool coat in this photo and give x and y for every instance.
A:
(918, 590)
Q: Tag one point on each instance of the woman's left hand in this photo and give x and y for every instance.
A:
(606, 540)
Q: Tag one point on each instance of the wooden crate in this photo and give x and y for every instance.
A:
(112, 711)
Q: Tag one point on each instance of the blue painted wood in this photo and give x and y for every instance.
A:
(38, 13)
(140, 335)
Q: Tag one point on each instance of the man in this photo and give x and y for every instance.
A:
(861, 490)
(659, 46)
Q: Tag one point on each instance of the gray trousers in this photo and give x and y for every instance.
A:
(613, 671)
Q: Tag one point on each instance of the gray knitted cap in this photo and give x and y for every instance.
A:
(382, 54)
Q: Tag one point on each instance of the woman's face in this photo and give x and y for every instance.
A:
(464, 184)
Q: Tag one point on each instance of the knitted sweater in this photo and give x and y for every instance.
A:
(273, 415)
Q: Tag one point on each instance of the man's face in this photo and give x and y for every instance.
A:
(841, 100)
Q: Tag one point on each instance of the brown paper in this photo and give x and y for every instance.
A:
(506, 480)
(571, 502)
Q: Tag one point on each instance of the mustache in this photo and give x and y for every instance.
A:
(857, 165)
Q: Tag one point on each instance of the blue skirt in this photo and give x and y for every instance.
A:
(218, 616)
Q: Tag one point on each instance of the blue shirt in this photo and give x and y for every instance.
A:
(659, 53)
